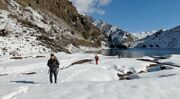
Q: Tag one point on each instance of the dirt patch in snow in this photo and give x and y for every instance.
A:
(167, 75)
(81, 61)
(3, 74)
(40, 56)
(29, 73)
(17, 58)
(2, 5)
(78, 62)
(24, 82)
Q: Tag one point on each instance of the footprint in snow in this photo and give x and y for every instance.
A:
(13, 95)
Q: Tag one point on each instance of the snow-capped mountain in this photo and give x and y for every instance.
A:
(116, 36)
(160, 39)
(42, 26)
(154, 39)
(141, 35)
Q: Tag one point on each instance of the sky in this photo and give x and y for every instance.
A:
(133, 15)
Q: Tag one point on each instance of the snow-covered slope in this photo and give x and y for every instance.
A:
(32, 29)
(161, 39)
(87, 81)
(16, 39)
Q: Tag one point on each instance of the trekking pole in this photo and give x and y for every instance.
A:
(57, 70)
(48, 71)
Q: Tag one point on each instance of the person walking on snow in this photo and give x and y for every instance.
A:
(53, 65)
(97, 59)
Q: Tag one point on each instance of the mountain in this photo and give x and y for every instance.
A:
(118, 38)
(160, 39)
(141, 35)
(115, 37)
(44, 26)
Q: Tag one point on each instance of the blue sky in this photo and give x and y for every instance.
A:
(140, 15)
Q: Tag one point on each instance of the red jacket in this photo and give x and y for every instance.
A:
(96, 57)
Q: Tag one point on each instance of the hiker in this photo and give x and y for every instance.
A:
(119, 56)
(97, 59)
(53, 65)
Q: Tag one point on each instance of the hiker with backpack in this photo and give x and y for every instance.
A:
(53, 65)
(97, 59)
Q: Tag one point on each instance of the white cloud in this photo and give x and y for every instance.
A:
(104, 2)
(90, 6)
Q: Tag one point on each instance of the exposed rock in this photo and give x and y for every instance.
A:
(3, 32)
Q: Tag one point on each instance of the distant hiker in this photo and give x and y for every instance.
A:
(53, 65)
(119, 56)
(97, 59)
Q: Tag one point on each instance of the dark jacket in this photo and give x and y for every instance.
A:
(53, 64)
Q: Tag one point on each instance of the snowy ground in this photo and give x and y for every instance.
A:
(87, 81)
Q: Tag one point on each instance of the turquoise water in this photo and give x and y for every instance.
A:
(136, 53)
